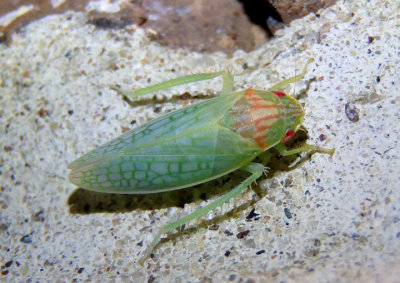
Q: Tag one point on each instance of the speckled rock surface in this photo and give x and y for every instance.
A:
(220, 25)
(289, 10)
(331, 219)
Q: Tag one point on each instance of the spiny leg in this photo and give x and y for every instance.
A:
(292, 79)
(310, 149)
(256, 170)
(226, 88)
(305, 148)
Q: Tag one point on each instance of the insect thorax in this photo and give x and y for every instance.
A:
(259, 116)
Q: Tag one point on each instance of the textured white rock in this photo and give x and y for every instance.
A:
(345, 210)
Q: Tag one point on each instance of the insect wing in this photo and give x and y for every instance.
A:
(177, 150)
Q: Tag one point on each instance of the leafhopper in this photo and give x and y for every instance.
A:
(195, 144)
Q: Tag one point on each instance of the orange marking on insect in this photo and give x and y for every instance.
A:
(262, 106)
(264, 119)
(246, 133)
(261, 142)
(263, 113)
(239, 111)
(261, 129)
(250, 91)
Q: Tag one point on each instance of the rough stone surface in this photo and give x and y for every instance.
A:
(206, 26)
(198, 25)
(290, 10)
(331, 219)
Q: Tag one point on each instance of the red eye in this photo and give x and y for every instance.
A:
(288, 136)
(279, 93)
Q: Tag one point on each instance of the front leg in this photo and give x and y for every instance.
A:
(311, 149)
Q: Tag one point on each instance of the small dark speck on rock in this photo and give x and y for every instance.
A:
(232, 277)
(7, 148)
(351, 112)
(288, 213)
(227, 232)
(3, 227)
(43, 113)
(8, 263)
(214, 227)
(243, 234)
(370, 39)
(26, 239)
(227, 253)
(39, 216)
(252, 214)
(287, 183)
(260, 252)
(80, 270)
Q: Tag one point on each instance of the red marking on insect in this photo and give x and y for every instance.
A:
(279, 93)
(288, 136)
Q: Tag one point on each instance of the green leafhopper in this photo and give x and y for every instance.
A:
(195, 144)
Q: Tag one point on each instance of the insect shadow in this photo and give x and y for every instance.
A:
(86, 201)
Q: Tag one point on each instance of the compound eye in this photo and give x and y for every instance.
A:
(288, 136)
(279, 93)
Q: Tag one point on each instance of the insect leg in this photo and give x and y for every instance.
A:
(310, 149)
(292, 79)
(256, 170)
(305, 148)
(227, 84)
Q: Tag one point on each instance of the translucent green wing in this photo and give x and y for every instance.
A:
(177, 150)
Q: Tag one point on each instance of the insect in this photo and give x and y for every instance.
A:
(195, 144)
